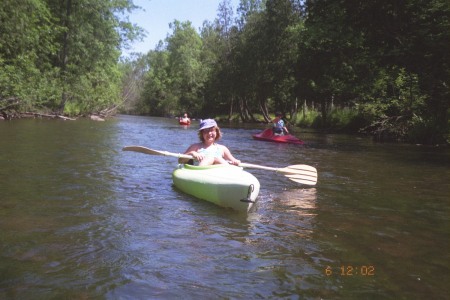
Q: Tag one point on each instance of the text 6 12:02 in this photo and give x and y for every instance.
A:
(351, 270)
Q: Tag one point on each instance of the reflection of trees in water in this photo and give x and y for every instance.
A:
(284, 217)
(299, 208)
(302, 201)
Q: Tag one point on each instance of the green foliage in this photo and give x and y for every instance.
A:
(176, 75)
(307, 119)
(22, 80)
(132, 73)
(396, 105)
(63, 56)
(379, 67)
(72, 109)
(93, 92)
(156, 95)
(185, 67)
(25, 53)
(344, 119)
(54, 53)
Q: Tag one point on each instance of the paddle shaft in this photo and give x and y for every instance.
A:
(299, 173)
(179, 155)
(245, 165)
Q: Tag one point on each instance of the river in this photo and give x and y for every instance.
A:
(81, 219)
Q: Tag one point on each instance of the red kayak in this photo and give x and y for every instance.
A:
(267, 135)
(185, 122)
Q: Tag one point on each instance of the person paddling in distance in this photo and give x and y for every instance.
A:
(278, 125)
(185, 118)
(208, 152)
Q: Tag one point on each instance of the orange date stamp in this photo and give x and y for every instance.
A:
(349, 270)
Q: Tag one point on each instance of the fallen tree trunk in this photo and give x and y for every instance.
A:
(49, 116)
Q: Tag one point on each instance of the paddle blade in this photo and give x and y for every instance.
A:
(303, 174)
(303, 179)
(298, 168)
(299, 173)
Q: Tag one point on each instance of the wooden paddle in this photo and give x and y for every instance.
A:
(303, 174)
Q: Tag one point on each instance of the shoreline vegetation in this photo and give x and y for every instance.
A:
(374, 68)
(342, 122)
(10, 110)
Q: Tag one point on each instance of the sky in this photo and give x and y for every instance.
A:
(159, 13)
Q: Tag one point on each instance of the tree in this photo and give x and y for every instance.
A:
(185, 68)
(62, 55)
(133, 73)
(330, 56)
(176, 74)
(387, 61)
(158, 98)
(217, 46)
(26, 46)
(410, 40)
(283, 24)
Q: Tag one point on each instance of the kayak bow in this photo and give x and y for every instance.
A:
(224, 185)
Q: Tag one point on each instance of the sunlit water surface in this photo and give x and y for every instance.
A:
(80, 219)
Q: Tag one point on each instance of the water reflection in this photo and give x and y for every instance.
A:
(300, 201)
(81, 219)
(296, 211)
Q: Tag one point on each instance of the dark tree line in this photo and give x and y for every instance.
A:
(383, 66)
(386, 61)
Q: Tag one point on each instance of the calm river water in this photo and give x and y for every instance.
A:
(81, 219)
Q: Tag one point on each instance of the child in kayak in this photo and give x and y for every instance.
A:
(208, 152)
(278, 125)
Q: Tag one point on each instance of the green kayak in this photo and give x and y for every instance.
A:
(224, 185)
